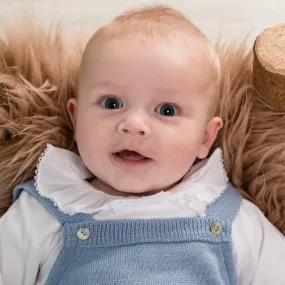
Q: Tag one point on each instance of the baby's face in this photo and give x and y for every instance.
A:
(142, 113)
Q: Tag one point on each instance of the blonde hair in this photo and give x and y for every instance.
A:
(160, 23)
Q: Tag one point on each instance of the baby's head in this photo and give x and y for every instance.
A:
(147, 94)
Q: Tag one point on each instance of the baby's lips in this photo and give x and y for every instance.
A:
(131, 155)
(136, 153)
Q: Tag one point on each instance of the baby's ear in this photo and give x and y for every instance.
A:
(72, 111)
(209, 136)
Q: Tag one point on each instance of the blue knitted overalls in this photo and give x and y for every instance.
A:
(192, 251)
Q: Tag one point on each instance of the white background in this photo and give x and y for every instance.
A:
(227, 19)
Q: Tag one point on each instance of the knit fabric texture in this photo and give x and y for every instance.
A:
(196, 251)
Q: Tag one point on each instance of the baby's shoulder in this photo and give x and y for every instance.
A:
(257, 246)
(251, 217)
(247, 227)
(250, 213)
(251, 223)
(31, 219)
(29, 241)
(253, 233)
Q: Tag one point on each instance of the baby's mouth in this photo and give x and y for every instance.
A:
(131, 155)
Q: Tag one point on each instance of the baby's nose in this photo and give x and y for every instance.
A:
(134, 124)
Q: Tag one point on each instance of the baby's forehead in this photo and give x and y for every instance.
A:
(197, 72)
(194, 51)
(182, 36)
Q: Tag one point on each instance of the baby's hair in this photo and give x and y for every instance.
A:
(161, 23)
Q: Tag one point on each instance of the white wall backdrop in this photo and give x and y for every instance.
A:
(224, 18)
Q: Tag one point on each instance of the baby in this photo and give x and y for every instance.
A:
(143, 203)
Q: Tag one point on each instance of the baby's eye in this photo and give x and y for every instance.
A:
(111, 103)
(167, 110)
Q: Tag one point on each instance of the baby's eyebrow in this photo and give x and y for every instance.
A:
(103, 84)
(106, 85)
(168, 91)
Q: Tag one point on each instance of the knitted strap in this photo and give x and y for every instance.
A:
(29, 186)
(226, 206)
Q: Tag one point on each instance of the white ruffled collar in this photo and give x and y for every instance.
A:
(61, 177)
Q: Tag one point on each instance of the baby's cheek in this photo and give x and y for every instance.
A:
(87, 146)
(184, 143)
(184, 151)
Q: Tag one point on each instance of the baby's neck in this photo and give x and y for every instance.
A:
(100, 185)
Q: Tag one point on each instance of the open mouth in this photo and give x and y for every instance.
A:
(130, 155)
(131, 160)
